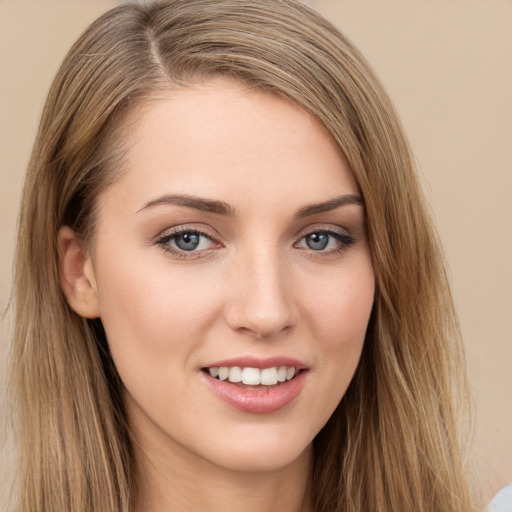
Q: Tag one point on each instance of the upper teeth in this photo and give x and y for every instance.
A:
(253, 376)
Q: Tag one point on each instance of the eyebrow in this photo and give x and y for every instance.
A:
(222, 208)
(329, 205)
(197, 203)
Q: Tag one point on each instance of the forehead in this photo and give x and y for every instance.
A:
(225, 140)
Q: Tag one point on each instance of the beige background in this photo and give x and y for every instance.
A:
(448, 67)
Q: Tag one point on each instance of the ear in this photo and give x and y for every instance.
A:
(77, 275)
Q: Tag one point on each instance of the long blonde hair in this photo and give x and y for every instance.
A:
(394, 442)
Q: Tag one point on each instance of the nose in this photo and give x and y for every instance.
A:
(261, 301)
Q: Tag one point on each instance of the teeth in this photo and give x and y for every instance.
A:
(235, 374)
(253, 376)
(269, 376)
(290, 373)
(281, 374)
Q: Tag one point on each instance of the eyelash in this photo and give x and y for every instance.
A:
(164, 241)
(345, 240)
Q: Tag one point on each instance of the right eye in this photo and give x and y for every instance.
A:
(186, 242)
(325, 241)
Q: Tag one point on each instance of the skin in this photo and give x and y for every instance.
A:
(253, 287)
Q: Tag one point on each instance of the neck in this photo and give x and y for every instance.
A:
(181, 483)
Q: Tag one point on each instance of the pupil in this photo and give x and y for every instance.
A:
(317, 241)
(187, 241)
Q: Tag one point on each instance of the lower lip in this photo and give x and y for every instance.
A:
(260, 400)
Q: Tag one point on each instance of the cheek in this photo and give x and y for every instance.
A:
(336, 318)
(339, 320)
(340, 309)
(155, 322)
(149, 312)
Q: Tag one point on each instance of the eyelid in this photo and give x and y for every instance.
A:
(327, 228)
(167, 235)
(185, 228)
(342, 235)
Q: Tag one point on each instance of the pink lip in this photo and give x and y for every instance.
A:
(258, 400)
(256, 362)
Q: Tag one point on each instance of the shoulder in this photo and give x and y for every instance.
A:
(502, 502)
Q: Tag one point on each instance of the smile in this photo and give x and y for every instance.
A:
(257, 386)
(253, 376)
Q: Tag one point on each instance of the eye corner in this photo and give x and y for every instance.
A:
(325, 241)
(187, 242)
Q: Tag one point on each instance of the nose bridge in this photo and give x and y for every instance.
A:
(261, 302)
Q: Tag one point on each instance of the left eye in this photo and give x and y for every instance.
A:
(324, 241)
(187, 241)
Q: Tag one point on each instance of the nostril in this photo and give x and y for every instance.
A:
(261, 303)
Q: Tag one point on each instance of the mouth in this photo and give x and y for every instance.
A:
(253, 385)
(253, 378)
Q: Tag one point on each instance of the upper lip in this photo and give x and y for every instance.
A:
(258, 362)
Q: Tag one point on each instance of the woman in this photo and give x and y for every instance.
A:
(228, 290)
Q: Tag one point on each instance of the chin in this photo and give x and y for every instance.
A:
(264, 453)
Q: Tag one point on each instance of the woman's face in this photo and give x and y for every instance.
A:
(233, 245)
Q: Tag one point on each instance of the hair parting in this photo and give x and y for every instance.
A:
(394, 443)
